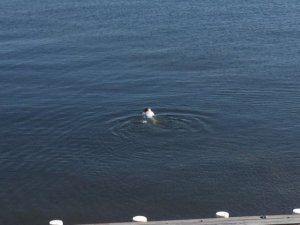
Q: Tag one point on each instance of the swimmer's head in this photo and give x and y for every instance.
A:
(148, 113)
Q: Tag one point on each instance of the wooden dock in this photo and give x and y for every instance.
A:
(248, 220)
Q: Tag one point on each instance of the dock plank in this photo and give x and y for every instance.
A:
(248, 220)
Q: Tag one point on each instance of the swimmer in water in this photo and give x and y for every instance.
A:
(148, 113)
(148, 116)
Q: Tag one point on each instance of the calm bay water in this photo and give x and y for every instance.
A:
(222, 76)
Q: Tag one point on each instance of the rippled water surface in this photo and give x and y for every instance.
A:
(221, 76)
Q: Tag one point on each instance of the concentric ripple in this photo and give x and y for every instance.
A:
(132, 125)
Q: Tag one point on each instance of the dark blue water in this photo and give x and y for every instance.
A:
(222, 76)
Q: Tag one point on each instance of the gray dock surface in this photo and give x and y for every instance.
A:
(247, 220)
